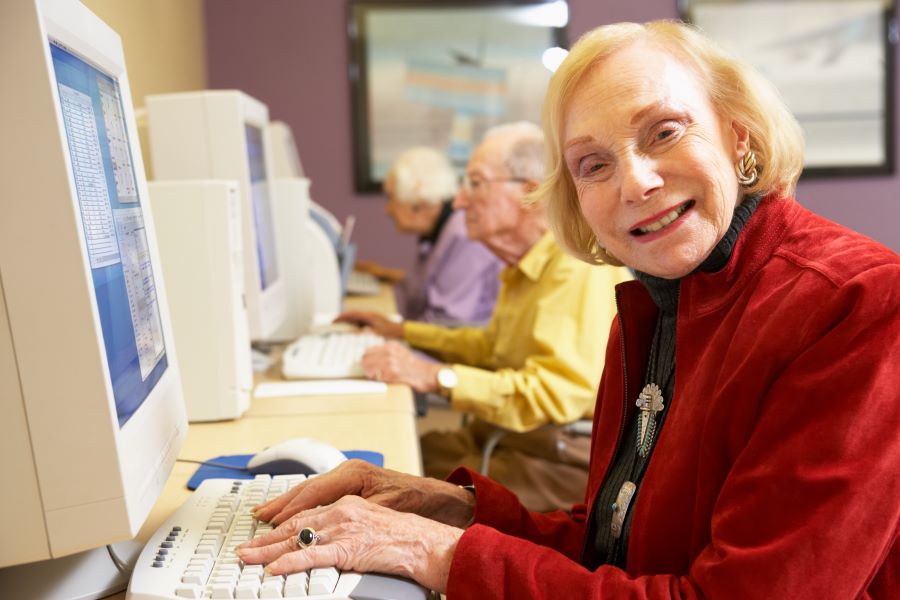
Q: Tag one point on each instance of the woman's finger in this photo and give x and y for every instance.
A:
(325, 555)
(271, 507)
(317, 491)
(265, 554)
(344, 480)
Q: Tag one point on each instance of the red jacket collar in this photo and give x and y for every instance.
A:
(702, 293)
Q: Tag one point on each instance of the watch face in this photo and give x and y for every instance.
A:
(447, 378)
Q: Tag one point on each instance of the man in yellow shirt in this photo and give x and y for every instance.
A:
(537, 361)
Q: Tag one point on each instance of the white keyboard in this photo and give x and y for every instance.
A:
(331, 355)
(191, 555)
(362, 284)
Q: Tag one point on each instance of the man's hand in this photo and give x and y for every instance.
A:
(395, 363)
(380, 271)
(377, 322)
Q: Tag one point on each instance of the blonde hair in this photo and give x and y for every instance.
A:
(422, 174)
(737, 91)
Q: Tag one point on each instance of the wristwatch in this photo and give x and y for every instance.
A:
(447, 380)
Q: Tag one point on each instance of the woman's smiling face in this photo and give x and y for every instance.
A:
(652, 163)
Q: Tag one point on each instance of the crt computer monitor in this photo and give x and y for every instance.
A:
(221, 134)
(91, 409)
(285, 158)
(286, 164)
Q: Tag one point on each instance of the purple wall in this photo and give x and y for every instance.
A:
(292, 55)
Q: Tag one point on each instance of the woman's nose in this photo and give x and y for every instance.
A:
(640, 178)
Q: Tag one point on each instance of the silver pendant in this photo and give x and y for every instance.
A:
(650, 402)
(620, 508)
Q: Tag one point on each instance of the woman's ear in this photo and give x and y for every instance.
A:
(740, 140)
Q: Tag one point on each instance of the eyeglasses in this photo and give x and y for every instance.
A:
(472, 186)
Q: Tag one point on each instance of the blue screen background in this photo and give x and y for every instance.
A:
(129, 389)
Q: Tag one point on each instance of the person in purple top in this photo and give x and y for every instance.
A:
(455, 280)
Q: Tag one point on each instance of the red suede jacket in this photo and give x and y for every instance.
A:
(777, 473)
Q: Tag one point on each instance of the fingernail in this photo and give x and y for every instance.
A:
(268, 570)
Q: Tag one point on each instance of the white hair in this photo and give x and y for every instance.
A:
(525, 149)
(422, 174)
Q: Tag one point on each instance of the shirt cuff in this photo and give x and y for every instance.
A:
(476, 392)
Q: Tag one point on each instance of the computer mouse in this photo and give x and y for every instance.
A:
(296, 456)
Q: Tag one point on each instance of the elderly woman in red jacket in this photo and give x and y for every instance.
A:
(746, 433)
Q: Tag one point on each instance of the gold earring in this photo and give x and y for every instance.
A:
(602, 255)
(746, 170)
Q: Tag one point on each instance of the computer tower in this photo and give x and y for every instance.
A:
(198, 227)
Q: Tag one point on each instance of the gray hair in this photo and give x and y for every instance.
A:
(422, 174)
(525, 151)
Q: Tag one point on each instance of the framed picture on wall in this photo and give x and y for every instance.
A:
(833, 63)
(439, 73)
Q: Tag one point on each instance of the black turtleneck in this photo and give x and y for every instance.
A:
(627, 464)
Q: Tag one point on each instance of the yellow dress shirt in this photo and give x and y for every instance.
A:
(540, 357)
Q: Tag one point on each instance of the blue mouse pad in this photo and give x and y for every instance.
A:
(239, 461)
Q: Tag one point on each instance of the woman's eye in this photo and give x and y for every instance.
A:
(591, 167)
(666, 132)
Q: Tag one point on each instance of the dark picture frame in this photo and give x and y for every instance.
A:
(833, 63)
(439, 73)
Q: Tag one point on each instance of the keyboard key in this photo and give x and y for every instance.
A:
(194, 577)
(253, 570)
(296, 584)
(271, 589)
(222, 591)
(322, 581)
(247, 589)
(189, 591)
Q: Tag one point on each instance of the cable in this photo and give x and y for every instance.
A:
(207, 463)
(120, 564)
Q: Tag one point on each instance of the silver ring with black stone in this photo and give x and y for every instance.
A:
(307, 537)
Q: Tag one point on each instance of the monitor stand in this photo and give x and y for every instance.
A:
(84, 576)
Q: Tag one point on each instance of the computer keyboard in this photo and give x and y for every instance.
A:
(330, 355)
(192, 555)
(362, 284)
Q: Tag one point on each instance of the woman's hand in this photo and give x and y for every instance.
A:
(377, 322)
(430, 498)
(395, 363)
(357, 535)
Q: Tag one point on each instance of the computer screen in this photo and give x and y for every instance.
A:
(113, 229)
(92, 415)
(262, 207)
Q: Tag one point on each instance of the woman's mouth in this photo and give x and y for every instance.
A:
(666, 219)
